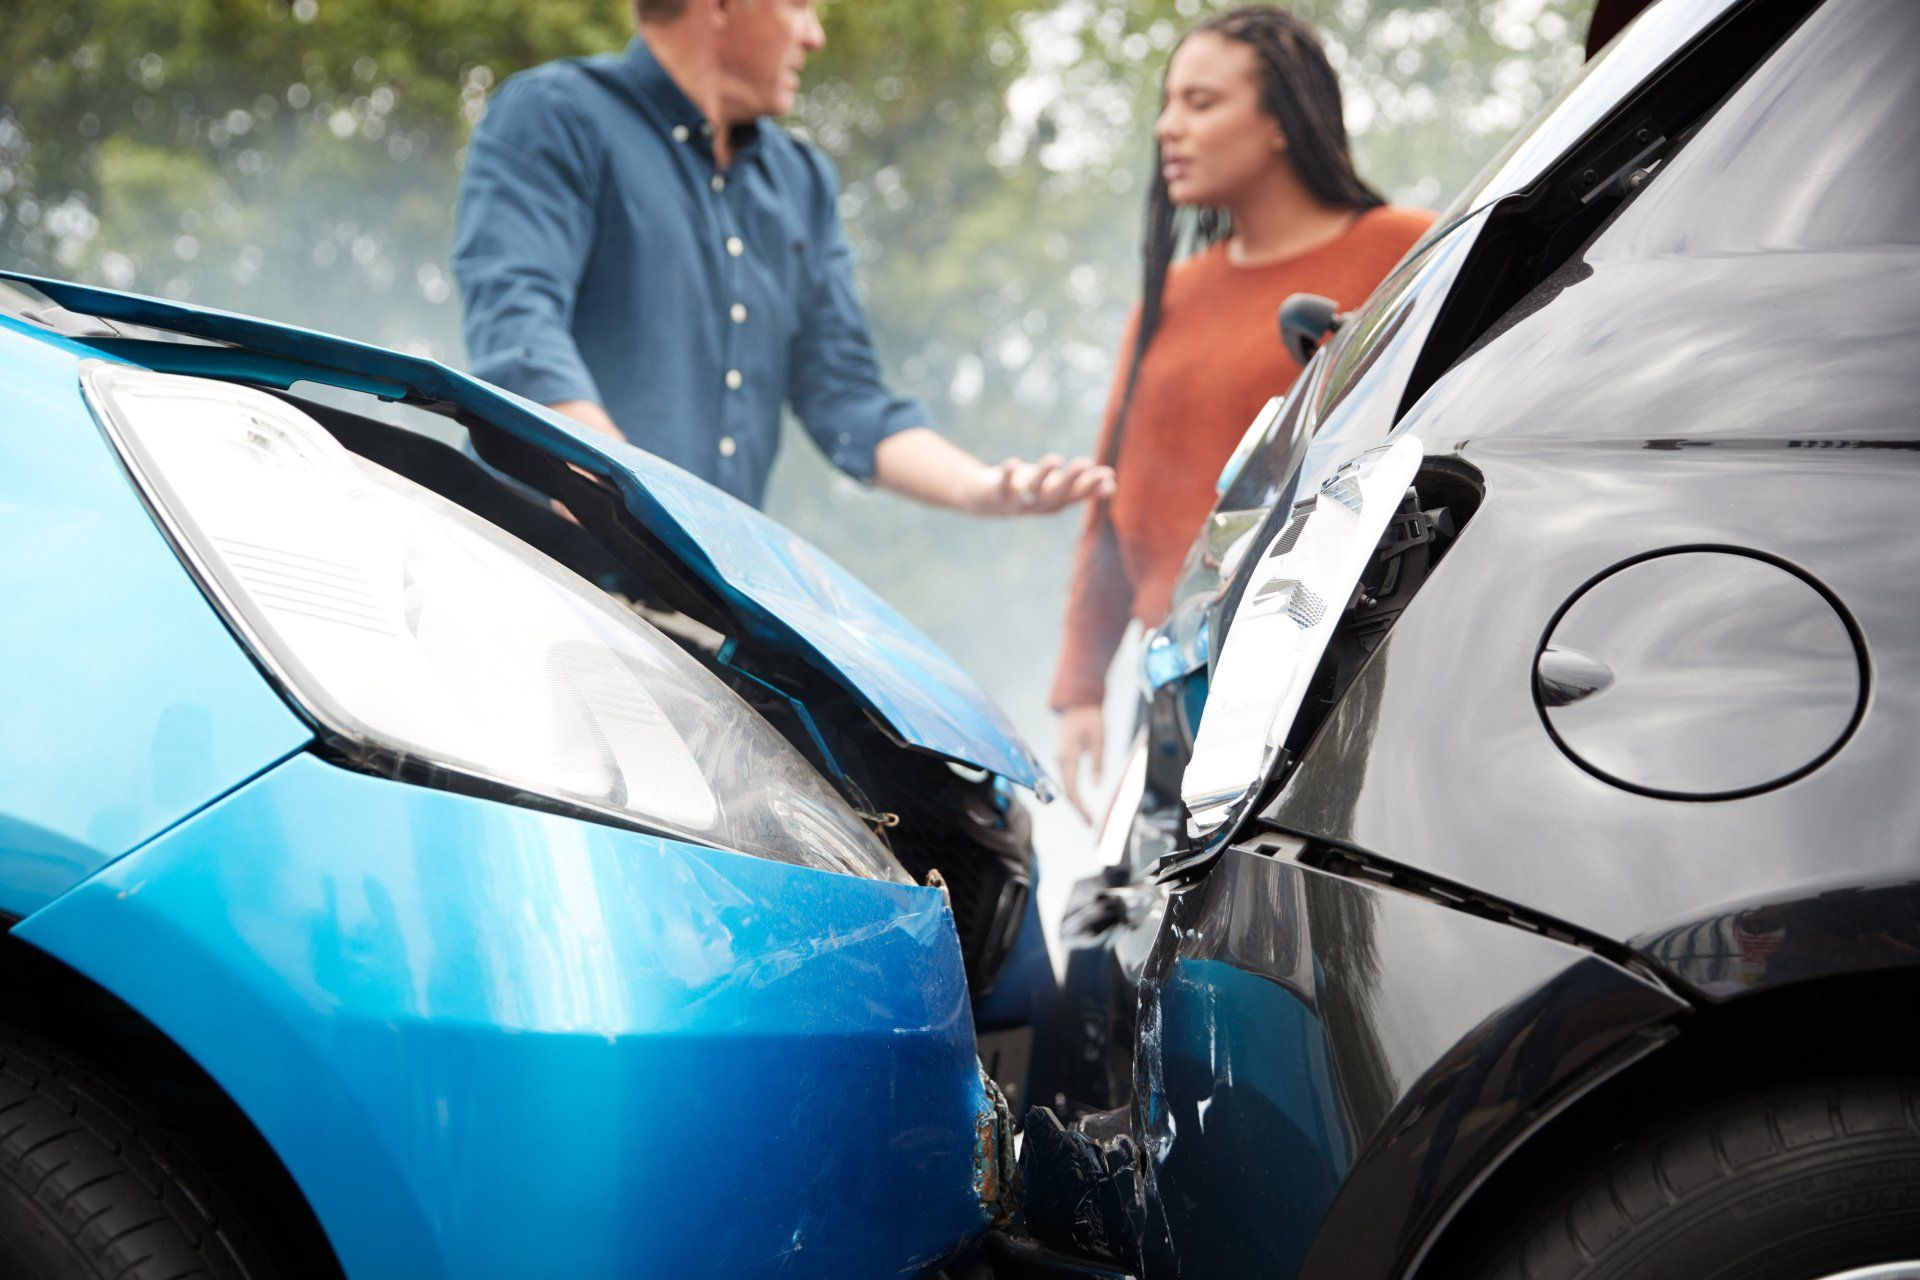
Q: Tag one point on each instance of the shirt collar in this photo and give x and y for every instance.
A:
(676, 108)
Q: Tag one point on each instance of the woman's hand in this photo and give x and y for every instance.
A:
(1083, 736)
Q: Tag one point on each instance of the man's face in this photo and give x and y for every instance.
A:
(765, 44)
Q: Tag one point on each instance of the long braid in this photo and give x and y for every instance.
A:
(1298, 88)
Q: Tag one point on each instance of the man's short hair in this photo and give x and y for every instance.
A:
(657, 10)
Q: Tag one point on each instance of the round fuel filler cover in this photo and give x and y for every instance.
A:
(1700, 675)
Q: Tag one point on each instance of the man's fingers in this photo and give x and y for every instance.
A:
(1067, 475)
(1053, 485)
(1095, 482)
(1047, 484)
(1075, 482)
(1034, 484)
(1001, 493)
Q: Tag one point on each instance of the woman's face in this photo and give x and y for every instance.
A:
(1215, 140)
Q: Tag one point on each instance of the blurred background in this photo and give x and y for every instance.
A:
(298, 159)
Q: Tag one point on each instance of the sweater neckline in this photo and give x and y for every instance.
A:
(1294, 259)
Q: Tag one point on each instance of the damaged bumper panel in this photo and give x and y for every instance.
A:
(490, 1041)
(1325, 1067)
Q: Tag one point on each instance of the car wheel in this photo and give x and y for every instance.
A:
(1808, 1183)
(92, 1190)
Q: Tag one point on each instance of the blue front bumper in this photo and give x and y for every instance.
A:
(489, 1041)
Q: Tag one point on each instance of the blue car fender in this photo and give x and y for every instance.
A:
(489, 1041)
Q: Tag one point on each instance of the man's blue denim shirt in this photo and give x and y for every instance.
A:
(601, 256)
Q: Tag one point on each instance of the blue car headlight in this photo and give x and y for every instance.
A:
(424, 641)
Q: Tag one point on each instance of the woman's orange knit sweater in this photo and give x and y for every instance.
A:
(1215, 360)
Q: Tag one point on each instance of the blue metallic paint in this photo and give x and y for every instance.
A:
(489, 1041)
(794, 587)
(127, 703)
(786, 591)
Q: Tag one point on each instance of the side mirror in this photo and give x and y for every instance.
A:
(1306, 318)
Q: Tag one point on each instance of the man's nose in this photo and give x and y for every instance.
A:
(813, 36)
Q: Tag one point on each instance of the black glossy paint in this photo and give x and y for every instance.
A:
(1731, 362)
(1324, 1064)
(1725, 674)
(1851, 929)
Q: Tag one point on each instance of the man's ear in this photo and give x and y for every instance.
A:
(711, 14)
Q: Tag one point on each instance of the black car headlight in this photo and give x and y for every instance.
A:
(1295, 595)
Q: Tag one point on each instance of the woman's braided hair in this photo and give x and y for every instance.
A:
(1298, 89)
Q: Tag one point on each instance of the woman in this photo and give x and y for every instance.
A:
(1253, 170)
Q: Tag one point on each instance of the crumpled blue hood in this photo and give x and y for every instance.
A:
(785, 593)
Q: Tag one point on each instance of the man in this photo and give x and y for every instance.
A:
(638, 247)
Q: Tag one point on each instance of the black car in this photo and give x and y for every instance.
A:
(1518, 872)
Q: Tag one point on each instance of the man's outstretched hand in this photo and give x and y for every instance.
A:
(1016, 488)
(924, 465)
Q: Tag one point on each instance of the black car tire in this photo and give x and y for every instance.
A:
(1790, 1185)
(90, 1188)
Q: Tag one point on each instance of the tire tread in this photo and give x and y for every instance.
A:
(124, 1194)
(1655, 1179)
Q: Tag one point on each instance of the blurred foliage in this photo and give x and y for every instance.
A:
(298, 159)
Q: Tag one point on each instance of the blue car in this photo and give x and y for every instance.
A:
(402, 877)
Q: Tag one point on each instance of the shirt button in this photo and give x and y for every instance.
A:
(679, 133)
(735, 246)
(734, 379)
(739, 312)
(719, 183)
(727, 446)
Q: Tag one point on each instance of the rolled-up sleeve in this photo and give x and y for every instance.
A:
(522, 233)
(834, 380)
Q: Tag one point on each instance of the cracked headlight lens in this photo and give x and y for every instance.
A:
(428, 644)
